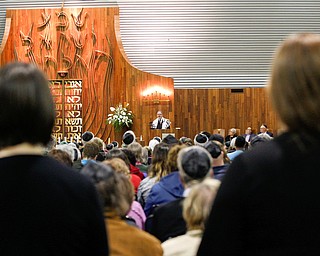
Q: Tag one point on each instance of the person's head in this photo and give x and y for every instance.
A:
(67, 148)
(26, 106)
(90, 150)
(208, 134)
(87, 136)
(194, 164)
(294, 83)
(118, 153)
(136, 149)
(186, 141)
(159, 161)
(157, 138)
(130, 155)
(115, 189)
(217, 137)
(99, 142)
(200, 139)
(248, 130)
(118, 165)
(232, 131)
(76, 151)
(240, 142)
(217, 152)
(170, 140)
(115, 144)
(145, 155)
(61, 156)
(109, 146)
(213, 149)
(159, 114)
(259, 140)
(153, 143)
(172, 158)
(263, 128)
(128, 137)
(197, 205)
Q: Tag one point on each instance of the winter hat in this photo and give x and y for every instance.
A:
(200, 139)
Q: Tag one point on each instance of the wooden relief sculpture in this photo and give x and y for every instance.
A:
(80, 51)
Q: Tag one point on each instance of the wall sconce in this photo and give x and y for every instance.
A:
(156, 95)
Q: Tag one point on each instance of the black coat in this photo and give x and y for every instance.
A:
(268, 202)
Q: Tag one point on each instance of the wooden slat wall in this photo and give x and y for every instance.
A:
(208, 109)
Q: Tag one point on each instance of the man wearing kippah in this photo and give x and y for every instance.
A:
(160, 122)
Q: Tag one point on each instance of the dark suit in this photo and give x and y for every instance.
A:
(250, 136)
(167, 221)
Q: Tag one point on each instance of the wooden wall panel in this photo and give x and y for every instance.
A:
(208, 109)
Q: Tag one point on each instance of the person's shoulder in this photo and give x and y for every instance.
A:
(65, 174)
(175, 204)
(143, 236)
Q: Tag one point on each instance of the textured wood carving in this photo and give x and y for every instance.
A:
(85, 44)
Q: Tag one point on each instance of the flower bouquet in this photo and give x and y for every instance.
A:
(120, 117)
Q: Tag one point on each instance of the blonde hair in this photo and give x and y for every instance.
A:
(172, 159)
(197, 206)
(118, 165)
(294, 84)
(99, 142)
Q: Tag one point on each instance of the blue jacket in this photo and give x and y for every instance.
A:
(169, 188)
(220, 171)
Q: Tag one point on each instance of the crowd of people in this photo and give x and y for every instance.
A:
(208, 195)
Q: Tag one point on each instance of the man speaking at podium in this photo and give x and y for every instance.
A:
(160, 122)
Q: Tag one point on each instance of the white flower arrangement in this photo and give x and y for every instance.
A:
(120, 117)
